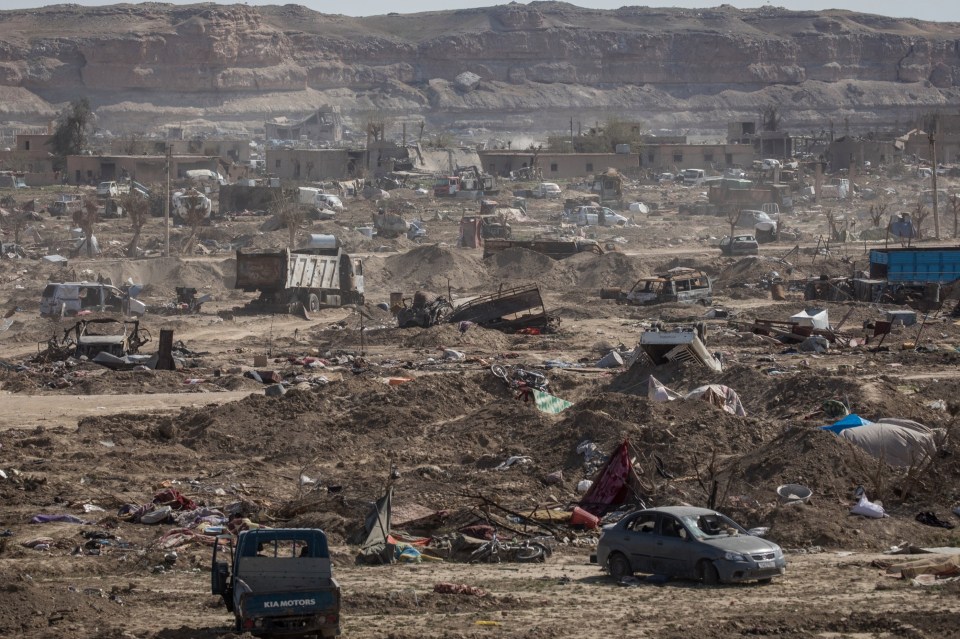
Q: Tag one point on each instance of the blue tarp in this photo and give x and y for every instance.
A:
(850, 421)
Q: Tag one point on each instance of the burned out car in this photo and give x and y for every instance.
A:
(93, 338)
(685, 285)
(739, 245)
(687, 542)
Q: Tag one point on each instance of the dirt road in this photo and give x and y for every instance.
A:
(30, 411)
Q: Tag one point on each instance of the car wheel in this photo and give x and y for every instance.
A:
(619, 566)
(709, 574)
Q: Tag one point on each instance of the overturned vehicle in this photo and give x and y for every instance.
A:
(518, 309)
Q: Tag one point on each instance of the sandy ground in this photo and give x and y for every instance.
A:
(81, 434)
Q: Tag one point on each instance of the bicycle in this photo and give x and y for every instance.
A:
(520, 379)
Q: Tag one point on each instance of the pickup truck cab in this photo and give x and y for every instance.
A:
(278, 582)
(693, 177)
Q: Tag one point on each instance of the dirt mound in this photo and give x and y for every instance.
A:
(161, 276)
(69, 611)
(607, 270)
(522, 266)
(707, 267)
(748, 270)
(431, 267)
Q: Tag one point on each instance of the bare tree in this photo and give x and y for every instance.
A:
(138, 210)
(14, 220)
(290, 213)
(831, 221)
(733, 216)
(86, 218)
(955, 209)
(878, 212)
(18, 218)
(195, 209)
(920, 213)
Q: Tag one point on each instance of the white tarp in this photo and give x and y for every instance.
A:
(717, 394)
(898, 442)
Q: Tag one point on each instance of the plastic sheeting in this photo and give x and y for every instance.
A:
(898, 442)
(717, 394)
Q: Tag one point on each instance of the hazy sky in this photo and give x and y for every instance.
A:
(937, 10)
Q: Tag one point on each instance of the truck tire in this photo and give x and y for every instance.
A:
(313, 303)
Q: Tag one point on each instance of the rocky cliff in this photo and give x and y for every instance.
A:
(539, 63)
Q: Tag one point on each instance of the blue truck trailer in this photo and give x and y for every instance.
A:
(915, 266)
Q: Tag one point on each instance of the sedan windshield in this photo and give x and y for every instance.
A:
(712, 526)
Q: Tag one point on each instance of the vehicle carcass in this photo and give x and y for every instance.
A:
(682, 344)
(92, 338)
(185, 202)
(390, 225)
(679, 284)
(555, 249)
(511, 310)
(426, 310)
(518, 309)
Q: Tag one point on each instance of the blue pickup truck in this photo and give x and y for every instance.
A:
(278, 582)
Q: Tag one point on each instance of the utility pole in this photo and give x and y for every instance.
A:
(166, 209)
(936, 200)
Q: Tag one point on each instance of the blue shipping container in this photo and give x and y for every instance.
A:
(915, 265)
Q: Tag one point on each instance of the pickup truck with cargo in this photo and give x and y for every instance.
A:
(278, 582)
(308, 278)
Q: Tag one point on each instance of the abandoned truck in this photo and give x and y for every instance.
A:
(684, 285)
(278, 582)
(305, 279)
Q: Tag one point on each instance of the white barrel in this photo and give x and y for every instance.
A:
(323, 241)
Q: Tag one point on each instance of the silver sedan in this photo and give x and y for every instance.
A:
(687, 542)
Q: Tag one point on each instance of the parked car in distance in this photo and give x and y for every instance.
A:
(665, 177)
(739, 245)
(687, 542)
(108, 189)
(69, 298)
(547, 190)
(596, 216)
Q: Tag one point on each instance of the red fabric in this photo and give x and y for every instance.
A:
(611, 486)
(175, 499)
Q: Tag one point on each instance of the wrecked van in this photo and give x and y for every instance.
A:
(70, 298)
